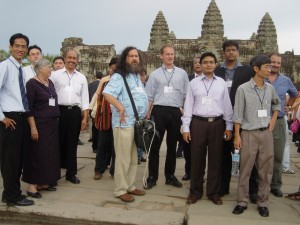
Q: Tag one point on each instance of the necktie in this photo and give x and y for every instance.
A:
(23, 91)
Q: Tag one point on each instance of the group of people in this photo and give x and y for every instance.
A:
(220, 108)
(41, 119)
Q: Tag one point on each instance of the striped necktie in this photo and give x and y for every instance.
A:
(23, 91)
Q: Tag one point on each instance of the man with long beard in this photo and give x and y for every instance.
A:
(129, 67)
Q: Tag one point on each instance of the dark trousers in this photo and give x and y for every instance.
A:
(13, 144)
(185, 147)
(69, 130)
(95, 135)
(104, 150)
(166, 119)
(206, 137)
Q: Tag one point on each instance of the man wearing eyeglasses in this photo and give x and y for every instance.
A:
(34, 54)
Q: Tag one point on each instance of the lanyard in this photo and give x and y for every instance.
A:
(70, 77)
(261, 100)
(14, 63)
(207, 91)
(168, 81)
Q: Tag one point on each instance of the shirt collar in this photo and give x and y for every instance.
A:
(65, 71)
(202, 76)
(15, 61)
(253, 84)
(238, 63)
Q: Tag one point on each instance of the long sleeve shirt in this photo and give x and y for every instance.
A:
(215, 90)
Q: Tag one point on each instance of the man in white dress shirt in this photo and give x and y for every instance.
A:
(73, 99)
(34, 55)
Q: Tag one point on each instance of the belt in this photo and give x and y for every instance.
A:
(69, 106)
(209, 119)
(259, 129)
(280, 117)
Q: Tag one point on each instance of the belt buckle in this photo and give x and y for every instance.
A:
(70, 107)
(211, 119)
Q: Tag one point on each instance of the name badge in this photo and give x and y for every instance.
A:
(262, 113)
(139, 89)
(229, 83)
(51, 102)
(168, 90)
(206, 100)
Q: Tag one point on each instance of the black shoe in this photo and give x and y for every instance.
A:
(23, 202)
(239, 209)
(186, 177)
(277, 192)
(143, 159)
(150, 183)
(4, 199)
(50, 188)
(80, 142)
(263, 211)
(73, 180)
(253, 198)
(90, 140)
(172, 180)
(34, 194)
(94, 150)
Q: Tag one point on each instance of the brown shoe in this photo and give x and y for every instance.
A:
(216, 200)
(192, 199)
(137, 192)
(126, 197)
(97, 176)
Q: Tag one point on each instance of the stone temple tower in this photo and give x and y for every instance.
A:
(212, 34)
(159, 35)
(266, 35)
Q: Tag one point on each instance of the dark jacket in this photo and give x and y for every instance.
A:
(242, 74)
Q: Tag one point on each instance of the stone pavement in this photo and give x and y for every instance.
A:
(92, 202)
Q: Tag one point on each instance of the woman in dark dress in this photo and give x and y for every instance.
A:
(42, 160)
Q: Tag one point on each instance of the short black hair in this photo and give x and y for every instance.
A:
(205, 54)
(230, 43)
(16, 36)
(259, 60)
(99, 75)
(58, 57)
(33, 47)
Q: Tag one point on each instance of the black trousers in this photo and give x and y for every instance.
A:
(168, 119)
(104, 150)
(185, 147)
(69, 130)
(13, 144)
(95, 135)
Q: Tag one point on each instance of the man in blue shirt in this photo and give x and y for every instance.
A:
(129, 67)
(13, 121)
(283, 85)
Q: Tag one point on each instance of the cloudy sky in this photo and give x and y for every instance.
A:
(129, 22)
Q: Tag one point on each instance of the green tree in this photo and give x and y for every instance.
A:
(3, 55)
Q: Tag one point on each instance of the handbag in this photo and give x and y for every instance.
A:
(144, 130)
(295, 126)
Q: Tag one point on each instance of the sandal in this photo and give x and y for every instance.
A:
(294, 196)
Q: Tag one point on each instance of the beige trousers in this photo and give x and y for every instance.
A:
(258, 148)
(126, 160)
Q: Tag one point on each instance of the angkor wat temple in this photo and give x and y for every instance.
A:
(97, 57)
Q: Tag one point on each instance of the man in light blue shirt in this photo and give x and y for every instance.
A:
(13, 121)
(129, 67)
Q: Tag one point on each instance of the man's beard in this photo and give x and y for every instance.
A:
(134, 68)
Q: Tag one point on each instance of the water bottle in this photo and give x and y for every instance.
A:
(235, 163)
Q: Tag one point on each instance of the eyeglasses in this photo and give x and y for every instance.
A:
(35, 54)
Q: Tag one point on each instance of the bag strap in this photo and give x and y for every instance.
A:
(136, 115)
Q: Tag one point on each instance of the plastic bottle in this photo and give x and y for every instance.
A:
(235, 163)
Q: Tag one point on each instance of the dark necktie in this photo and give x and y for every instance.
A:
(23, 91)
